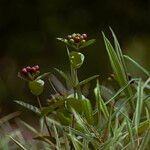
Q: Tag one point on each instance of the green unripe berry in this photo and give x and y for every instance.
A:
(73, 35)
(69, 36)
(78, 34)
(72, 40)
(65, 40)
(36, 87)
(83, 41)
(81, 37)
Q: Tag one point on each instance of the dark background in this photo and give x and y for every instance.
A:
(28, 31)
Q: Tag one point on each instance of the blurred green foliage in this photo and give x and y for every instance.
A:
(28, 31)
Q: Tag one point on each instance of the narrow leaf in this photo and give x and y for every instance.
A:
(28, 106)
(138, 65)
(87, 43)
(42, 76)
(87, 80)
(117, 68)
(18, 143)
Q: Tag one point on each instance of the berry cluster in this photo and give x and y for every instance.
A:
(30, 70)
(77, 38)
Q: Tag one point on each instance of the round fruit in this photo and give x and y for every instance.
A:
(24, 71)
(36, 87)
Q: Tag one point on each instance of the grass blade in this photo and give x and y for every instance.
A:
(118, 68)
(28, 106)
(58, 145)
(8, 117)
(139, 104)
(75, 142)
(87, 80)
(18, 143)
(119, 51)
(138, 65)
(146, 140)
(101, 104)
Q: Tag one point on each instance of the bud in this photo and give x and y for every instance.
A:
(73, 35)
(72, 40)
(83, 41)
(78, 34)
(69, 36)
(65, 40)
(81, 37)
(84, 36)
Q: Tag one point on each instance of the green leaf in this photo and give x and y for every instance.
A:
(139, 105)
(43, 137)
(118, 68)
(46, 110)
(101, 104)
(64, 119)
(42, 76)
(36, 87)
(87, 110)
(143, 126)
(18, 143)
(65, 76)
(76, 143)
(32, 129)
(9, 116)
(75, 104)
(119, 51)
(145, 141)
(130, 131)
(80, 122)
(76, 59)
(68, 128)
(82, 106)
(66, 141)
(138, 65)
(87, 43)
(28, 106)
(49, 109)
(113, 97)
(87, 80)
(56, 135)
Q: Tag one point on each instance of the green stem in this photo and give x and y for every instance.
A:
(74, 76)
(45, 121)
(73, 121)
(78, 88)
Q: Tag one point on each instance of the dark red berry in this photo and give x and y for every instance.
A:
(24, 71)
(77, 39)
(33, 70)
(37, 68)
(84, 36)
(28, 69)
